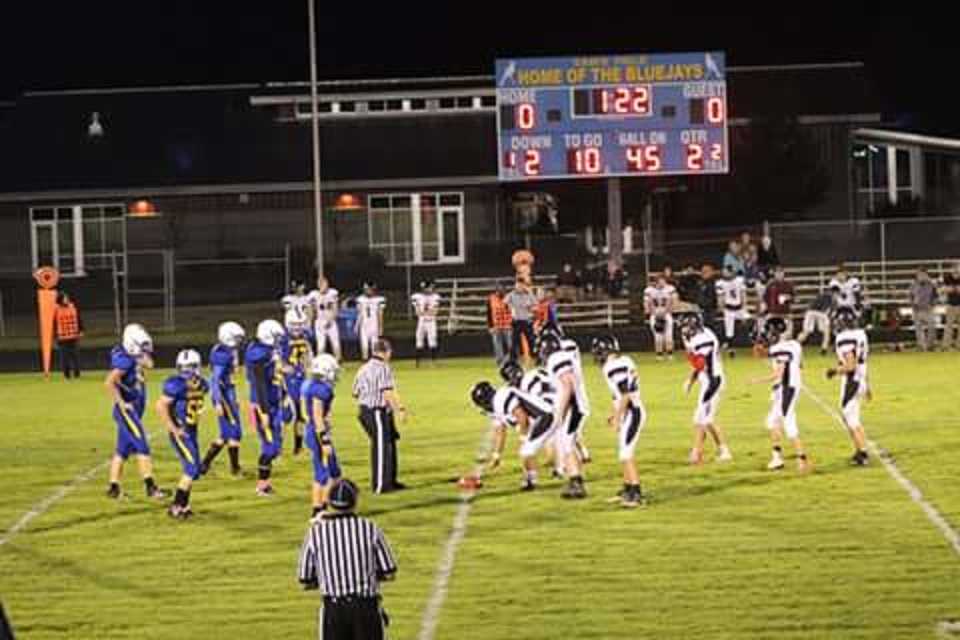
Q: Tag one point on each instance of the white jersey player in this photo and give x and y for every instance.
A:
(509, 407)
(369, 325)
(847, 291)
(785, 357)
(570, 409)
(325, 303)
(853, 350)
(732, 298)
(703, 353)
(426, 304)
(628, 416)
(659, 301)
(296, 299)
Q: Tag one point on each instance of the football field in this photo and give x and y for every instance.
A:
(722, 551)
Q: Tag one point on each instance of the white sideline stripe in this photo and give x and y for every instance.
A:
(952, 535)
(44, 505)
(431, 615)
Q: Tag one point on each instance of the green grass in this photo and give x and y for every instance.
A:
(722, 551)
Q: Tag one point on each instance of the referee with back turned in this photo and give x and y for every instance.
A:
(346, 557)
(375, 392)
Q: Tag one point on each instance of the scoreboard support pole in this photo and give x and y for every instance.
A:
(615, 222)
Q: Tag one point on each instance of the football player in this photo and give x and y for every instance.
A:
(853, 349)
(369, 326)
(703, 353)
(659, 301)
(426, 304)
(318, 403)
(295, 356)
(224, 360)
(179, 408)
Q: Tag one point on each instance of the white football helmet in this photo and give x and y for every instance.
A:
(189, 362)
(295, 320)
(325, 366)
(269, 332)
(231, 334)
(136, 340)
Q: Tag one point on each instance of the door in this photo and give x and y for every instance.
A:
(451, 235)
(45, 245)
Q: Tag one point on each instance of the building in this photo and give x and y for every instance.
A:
(154, 180)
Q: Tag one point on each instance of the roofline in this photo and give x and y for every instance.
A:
(903, 137)
(370, 82)
(238, 188)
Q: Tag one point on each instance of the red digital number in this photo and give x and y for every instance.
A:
(531, 162)
(586, 160)
(716, 152)
(510, 159)
(641, 101)
(715, 110)
(621, 101)
(526, 116)
(695, 157)
(644, 158)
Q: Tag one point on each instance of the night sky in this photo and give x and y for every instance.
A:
(910, 58)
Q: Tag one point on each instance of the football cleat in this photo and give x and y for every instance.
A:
(158, 494)
(528, 485)
(574, 491)
(724, 455)
(775, 464)
(116, 493)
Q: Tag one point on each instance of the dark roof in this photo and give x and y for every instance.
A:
(206, 136)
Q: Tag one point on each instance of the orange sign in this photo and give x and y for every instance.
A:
(47, 278)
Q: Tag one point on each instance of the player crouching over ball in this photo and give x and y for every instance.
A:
(509, 407)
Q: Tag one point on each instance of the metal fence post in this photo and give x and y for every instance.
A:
(883, 254)
(116, 293)
(287, 277)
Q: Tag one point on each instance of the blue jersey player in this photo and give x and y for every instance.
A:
(317, 404)
(223, 395)
(180, 407)
(126, 387)
(295, 355)
(266, 396)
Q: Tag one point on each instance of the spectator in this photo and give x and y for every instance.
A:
(751, 270)
(923, 297)
(616, 279)
(499, 323)
(767, 257)
(707, 295)
(732, 260)
(69, 330)
(778, 299)
(688, 285)
(521, 302)
(667, 274)
(746, 243)
(545, 313)
(951, 321)
(568, 282)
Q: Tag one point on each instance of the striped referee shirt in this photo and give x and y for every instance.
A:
(372, 380)
(345, 555)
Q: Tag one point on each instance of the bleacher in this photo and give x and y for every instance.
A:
(464, 307)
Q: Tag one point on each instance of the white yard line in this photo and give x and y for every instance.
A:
(44, 505)
(431, 615)
(933, 515)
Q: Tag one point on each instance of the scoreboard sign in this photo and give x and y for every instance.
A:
(634, 115)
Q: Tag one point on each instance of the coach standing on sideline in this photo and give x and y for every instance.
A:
(346, 557)
(375, 392)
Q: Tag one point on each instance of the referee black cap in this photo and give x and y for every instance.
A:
(343, 495)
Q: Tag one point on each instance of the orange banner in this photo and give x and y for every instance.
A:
(47, 278)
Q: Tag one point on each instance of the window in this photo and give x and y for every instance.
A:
(421, 229)
(76, 238)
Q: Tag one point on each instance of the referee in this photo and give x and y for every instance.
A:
(346, 557)
(374, 391)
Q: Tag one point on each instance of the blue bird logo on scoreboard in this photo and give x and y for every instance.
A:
(612, 115)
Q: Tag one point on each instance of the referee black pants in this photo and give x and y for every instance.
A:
(378, 423)
(351, 618)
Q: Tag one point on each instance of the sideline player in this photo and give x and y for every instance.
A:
(224, 359)
(659, 301)
(126, 386)
(703, 352)
(180, 407)
(265, 381)
(817, 318)
(785, 356)
(732, 292)
(296, 298)
(847, 291)
(325, 302)
(628, 416)
(318, 403)
(295, 356)
(426, 304)
(369, 325)
(852, 352)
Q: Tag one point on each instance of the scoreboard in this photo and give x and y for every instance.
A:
(623, 115)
